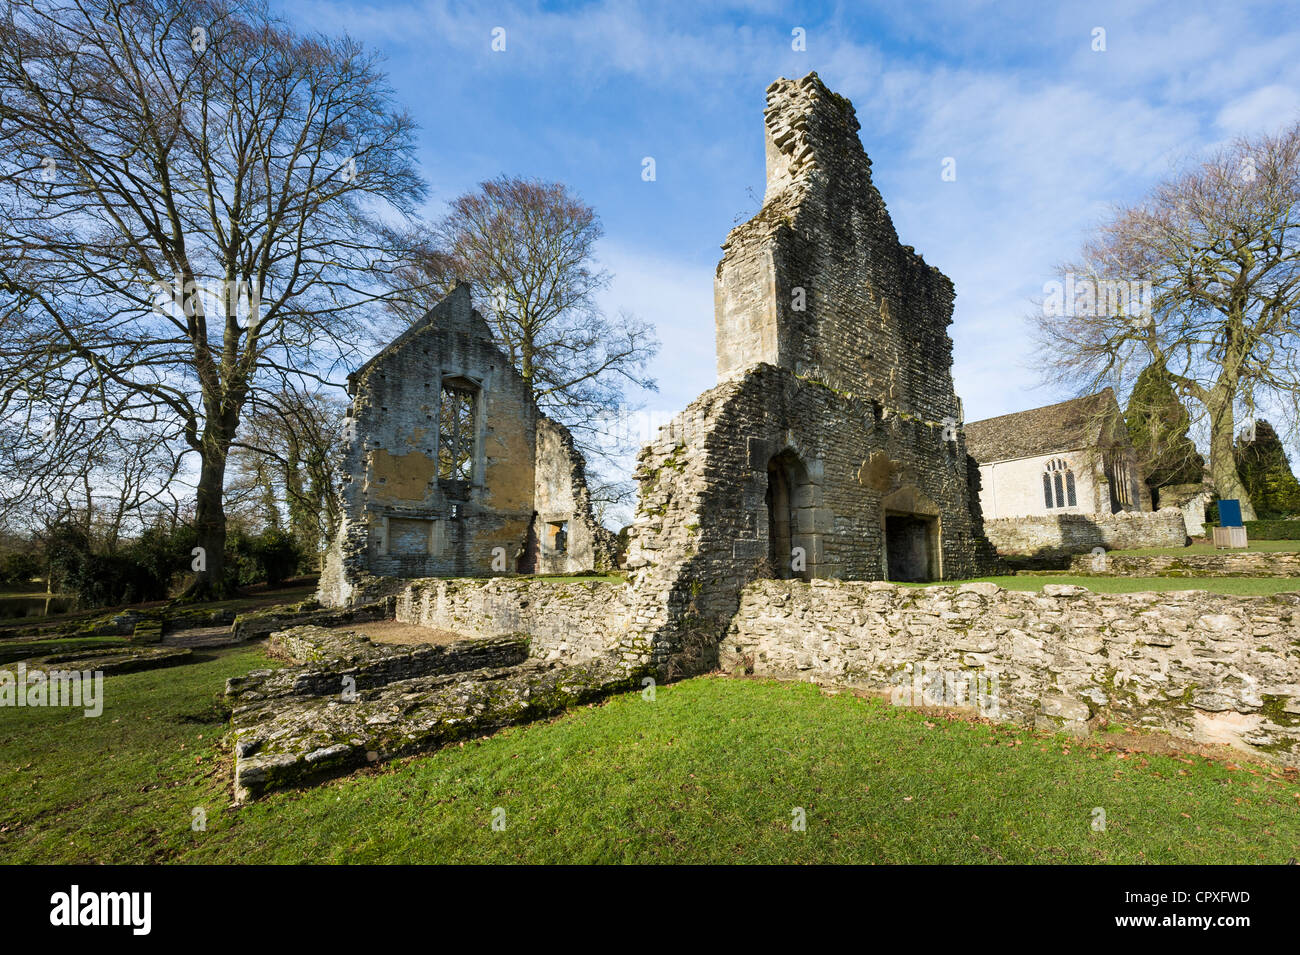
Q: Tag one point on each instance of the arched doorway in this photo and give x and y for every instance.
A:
(790, 500)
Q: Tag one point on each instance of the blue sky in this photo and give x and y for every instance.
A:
(1047, 134)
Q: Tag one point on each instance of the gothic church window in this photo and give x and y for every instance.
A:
(1058, 485)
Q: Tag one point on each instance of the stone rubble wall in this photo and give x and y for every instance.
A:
(258, 624)
(327, 657)
(1062, 535)
(296, 725)
(702, 530)
(1209, 667)
(1189, 565)
(569, 621)
(562, 494)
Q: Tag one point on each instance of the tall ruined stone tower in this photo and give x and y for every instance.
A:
(831, 447)
(817, 281)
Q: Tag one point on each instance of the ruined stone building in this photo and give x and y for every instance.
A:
(830, 450)
(832, 445)
(451, 470)
(1074, 457)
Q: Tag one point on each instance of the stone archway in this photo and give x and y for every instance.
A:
(911, 528)
(793, 534)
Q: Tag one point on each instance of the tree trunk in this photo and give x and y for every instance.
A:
(1223, 463)
(210, 522)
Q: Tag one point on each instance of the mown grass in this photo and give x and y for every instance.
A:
(1242, 586)
(1255, 547)
(710, 771)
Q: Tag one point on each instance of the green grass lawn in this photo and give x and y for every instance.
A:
(1257, 547)
(1245, 586)
(708, 772)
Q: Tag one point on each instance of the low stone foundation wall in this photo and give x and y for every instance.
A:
(568, 621)
(330, 657)
(1227, 564)
(107, 661)
(1064, 534)
(309, 721)
(262, 623)
(1210, 667)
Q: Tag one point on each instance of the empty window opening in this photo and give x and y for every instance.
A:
(558, 534)
(456, 432)
(791, 544)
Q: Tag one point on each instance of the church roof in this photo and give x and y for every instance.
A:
(1066, 426)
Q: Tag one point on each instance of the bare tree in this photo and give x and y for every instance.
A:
(1202, 278)
(199, 207)
(114, 478)
(528, 249)
(287, 458)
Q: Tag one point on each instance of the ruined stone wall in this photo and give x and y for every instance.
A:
(832, 447)
(1065, 534)
(357, 704)
(329, 656)
(1227, 564)
(400, 517)
(1214, 668)
(818, 281)
(407, 513)
(564, 621)
(562, 499)
(702, 528)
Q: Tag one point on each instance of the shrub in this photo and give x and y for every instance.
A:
(272, 556)
(278, 554)
(18, 567)
(139, 571)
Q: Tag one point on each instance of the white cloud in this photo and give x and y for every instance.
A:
(1261, 111)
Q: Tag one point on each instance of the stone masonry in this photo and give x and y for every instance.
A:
(1229, 564)
(1061, 535)
(348, 703)
(832, 447)
(777, 515)
(450, 469)
(1209, 667)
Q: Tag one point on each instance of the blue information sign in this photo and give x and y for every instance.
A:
(1230, 513)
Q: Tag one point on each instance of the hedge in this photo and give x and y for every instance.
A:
(1266, 530)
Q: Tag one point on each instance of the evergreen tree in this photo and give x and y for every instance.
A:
(1266, 472)
(1157, 426)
